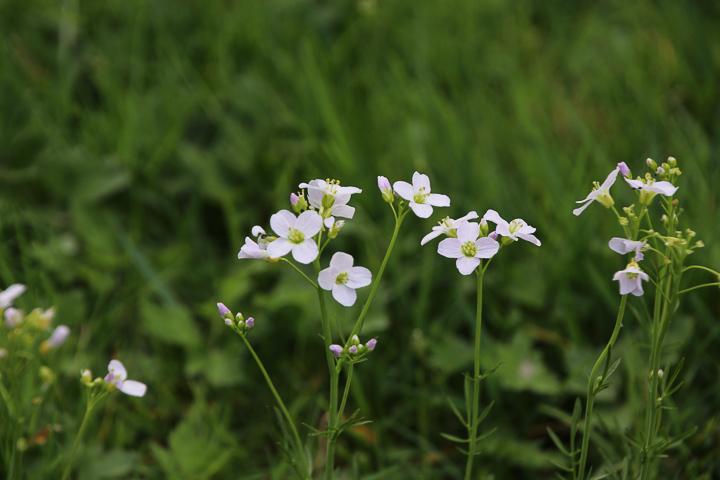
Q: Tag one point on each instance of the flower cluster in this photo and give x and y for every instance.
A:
(115, 379)
(354, 350)
(237, 322)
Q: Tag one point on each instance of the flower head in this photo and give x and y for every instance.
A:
(57, 338)
(330, 198)
(295, 235)
(467, 248)
(448, 226)
(117, 377)
(624, 246)
(631, 279)
(255, 249)
(342, 278)
(600, 193)
(513, 230)
(419, 196)
(8, 296)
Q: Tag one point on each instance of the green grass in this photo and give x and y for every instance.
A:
(140, 141)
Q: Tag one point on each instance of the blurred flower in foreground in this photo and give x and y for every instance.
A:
(295, 235)
(517, 228)
(418, 195)
(342, 278)
(467, 248)
(448, 226)
(631, 279)
(8, 296)
(57, 338)
(117, 376)
(600, 193)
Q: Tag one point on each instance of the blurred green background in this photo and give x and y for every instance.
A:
(140, 141)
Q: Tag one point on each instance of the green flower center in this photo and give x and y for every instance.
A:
(420, 195)
(342, 278)
(469, 249)
(515, 225)
(296, 236)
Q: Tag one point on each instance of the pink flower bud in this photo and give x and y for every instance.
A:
(383, 183)
(294, 199)
(353, 349)
(336, 349)
(250, 323)
(223, 310)
(371, 344)
(624, 169)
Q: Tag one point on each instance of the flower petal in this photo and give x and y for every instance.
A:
(438, 200)
(436, 232)
(663, 188)
(279, 247)
(117, 368)
(493, 216)
(421, 210)
(468, 232)
(304, 252)
(450, 248)
(341, 261)
(636, 184)
(582, 208)
(404, 189)
(471, 215)
(420, 180)
(466, 265)
(326, 278)
(359, 277)
(8, 296)
(343, 211)
(528, 237)
(344, 295)
(610, 180)
(133, 388)
(282, 221)
(257, 230)
(486, 247)
(309, 222)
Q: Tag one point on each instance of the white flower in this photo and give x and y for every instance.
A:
(448, 226)
(517, 228)
(631, 279)
(343, 279)
(57, 338)
(599, 193)
(13, 317)
(329, 194)
(255, 249)
(117, 375)
(8, 296)
(295, 235)
(467, 248)
(419, 196)
(624, 246)
(663, 187)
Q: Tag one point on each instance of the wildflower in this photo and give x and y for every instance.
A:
(371, 344)
(448, 226)
(57, 338)
(343, 279)
(600, 193)
(225, 313)
(419, 196)
(386, 189)
(117, 377)
(631, 279)
(295, 235)
(624, 246)
(8, 296)
(255, 249)
(517, 228)
(624, 169)
(13, 317)
(648, 185)
(467, 248)
(330, 198)
(336, 350)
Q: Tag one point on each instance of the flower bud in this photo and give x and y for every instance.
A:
(250, 323)
(386, 189)
(239, 317)
(624, 169)
(13, 317)
(334, 230)
(353, 349)
(652, 164)
(336, 349)
(672, 161)
(494, 235)
(298, 202)
(328, 201)
(224, 311)
(660, 171)
(86, 377)
(371, 344)
(484, 228)
(228, 321)
(355, 340)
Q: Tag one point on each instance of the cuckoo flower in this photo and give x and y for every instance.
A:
(600, 193)
(419, 196)
(8, 296)
(512, 230)
(467, 248)
(117, 376)
(255, 249)
(295, 235)
(330, 198)
(624, 246)
(631, 279)
(343, 279)
(57, 338)
(13, 317)
(448, 226)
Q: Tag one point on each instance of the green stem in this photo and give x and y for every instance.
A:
(346, 392)
(89, 406)
(702, 285)
(593, 384)
(297, 269)
(475, 407)
(281, 406)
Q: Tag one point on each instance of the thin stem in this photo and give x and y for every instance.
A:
(475, 407)
(346, 392)
(703, 285)
(281, 405)
(593, 384)
(89, 406)
(297, 269)
(700, 267)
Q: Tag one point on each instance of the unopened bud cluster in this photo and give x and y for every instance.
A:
(354, 350)
(237, 322)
